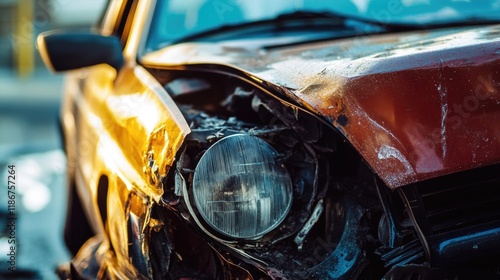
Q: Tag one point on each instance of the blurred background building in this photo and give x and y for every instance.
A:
(22, 20)
(27, 89)
(29, 107)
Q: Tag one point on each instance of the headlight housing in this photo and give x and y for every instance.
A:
(241, 188)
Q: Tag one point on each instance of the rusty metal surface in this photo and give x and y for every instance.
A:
(415, 105)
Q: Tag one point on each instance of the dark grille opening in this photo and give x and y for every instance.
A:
(462, 199)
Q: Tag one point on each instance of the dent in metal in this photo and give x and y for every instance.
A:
(414, 88)
(130, 133)
(139, 211)
(387, 152)
(143, 120)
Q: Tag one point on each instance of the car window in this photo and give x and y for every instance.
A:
(176, 19)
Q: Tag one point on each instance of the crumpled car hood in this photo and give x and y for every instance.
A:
(415, 105)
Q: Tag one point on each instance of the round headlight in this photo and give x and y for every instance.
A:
(241, 188)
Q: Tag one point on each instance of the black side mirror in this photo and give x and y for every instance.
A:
(63, 51)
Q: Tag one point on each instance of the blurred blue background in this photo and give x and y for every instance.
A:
(29, 138)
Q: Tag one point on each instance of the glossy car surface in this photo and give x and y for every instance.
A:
(283, 141)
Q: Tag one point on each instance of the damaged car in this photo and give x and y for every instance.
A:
(221, 139)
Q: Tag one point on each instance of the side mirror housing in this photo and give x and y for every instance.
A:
(63, 51)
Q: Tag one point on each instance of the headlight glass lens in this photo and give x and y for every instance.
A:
(241, 188)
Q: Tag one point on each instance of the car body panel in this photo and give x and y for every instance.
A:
(129, 131)
(142, 118)
(113, 131)
(415, 105)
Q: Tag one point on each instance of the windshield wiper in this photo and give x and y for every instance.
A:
(313, 15)
(282, 20)
(385, 26)
(306, 19)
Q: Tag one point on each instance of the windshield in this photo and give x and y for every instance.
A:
(174, 20)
